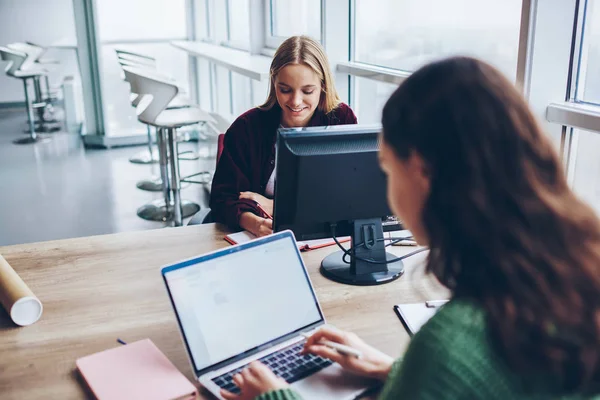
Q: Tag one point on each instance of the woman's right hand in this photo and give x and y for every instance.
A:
(257, 225)
(372, 364)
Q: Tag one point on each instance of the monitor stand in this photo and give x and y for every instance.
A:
(360, 272)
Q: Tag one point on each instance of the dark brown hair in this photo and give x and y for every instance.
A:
(504, 228)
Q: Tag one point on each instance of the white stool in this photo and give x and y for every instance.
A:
(155, 184)
(44, 99)
(167, 121)
(16, 60)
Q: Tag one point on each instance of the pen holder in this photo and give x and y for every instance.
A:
(17, 299)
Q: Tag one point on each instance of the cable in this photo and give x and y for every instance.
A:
(351, 253)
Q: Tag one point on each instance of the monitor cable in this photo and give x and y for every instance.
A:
(350, 253)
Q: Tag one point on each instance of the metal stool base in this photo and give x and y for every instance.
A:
(150, 185)
(30, 140)
(156, 210)
(154, 185)
(144, 157)
(45, 128)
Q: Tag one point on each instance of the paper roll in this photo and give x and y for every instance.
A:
(16, 297)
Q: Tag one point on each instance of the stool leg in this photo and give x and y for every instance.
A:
(30, 119)
(155, 184)
(33, 136)
(175, 183)
(144, 157)
(149, 133)
(47, 85)
(163, 159)
(160, 210)
(38, 98)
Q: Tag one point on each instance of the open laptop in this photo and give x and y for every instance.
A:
(252, 302)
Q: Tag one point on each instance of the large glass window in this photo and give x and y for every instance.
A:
(145, 27)
(239, 23)
(585, 166)
(406, 34)
(584, 160)
(241, 90)
(370, 97)
(289, 18)
(588, 79)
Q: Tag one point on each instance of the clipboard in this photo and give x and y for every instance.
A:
(413, 316)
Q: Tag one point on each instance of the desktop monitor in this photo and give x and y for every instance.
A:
(329, 184)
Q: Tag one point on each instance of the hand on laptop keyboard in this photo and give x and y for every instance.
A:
(372, 363)
(283, 367)
(253, 381)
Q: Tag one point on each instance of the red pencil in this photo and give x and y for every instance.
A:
(263, 210)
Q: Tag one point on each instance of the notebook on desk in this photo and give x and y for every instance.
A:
(134, 371)
(414, 316)
(245, 236)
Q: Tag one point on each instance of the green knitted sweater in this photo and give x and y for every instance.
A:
(451, 358)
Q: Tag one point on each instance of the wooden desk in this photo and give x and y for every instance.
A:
(97, 289)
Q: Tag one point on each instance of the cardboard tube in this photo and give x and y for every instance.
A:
(16, 297)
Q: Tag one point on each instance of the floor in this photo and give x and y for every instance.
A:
(58, 189)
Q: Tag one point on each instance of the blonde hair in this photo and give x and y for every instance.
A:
(306, 51)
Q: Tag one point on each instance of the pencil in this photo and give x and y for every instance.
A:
(262, 210)
(340, 348)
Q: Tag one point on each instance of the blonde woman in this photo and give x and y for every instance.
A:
(301, 93)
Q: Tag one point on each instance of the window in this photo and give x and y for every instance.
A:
(241, 91)
(370, 97)
(588, 84)
(238, 28)
(406, 34)
(222, 90)
(121, 24)
(584, 159)
(584, 168)
(289, 18)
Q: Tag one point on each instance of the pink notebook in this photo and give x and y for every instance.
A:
(137, 370)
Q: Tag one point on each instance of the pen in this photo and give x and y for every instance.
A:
(435, 303)
(406, 242)
(340, 348)
(262, 210)
(121, 341)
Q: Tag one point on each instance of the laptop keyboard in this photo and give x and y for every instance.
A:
(286, 363)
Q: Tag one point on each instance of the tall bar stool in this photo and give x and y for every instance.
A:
(142, 61)
(46, 97)
(154, 184)
(167, 121)
(16, 60)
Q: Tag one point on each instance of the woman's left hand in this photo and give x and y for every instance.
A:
(253, 381)
(265, 203)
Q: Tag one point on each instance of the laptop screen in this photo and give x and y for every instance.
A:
(233, 301)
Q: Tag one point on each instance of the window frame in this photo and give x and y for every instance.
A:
(272, 41)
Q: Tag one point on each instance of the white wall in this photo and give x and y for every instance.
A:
(41, 22)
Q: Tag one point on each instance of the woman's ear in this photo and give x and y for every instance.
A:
(419, 170)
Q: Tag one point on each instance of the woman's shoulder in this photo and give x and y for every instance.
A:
(254, 120)
(459, 314)
(258, 115)
(343, 114)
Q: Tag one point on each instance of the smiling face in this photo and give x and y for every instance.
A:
(298, 90)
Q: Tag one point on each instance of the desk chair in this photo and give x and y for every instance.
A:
(16, 60)
(156, 113)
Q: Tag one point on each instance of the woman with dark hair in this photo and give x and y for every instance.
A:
(474, 178)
